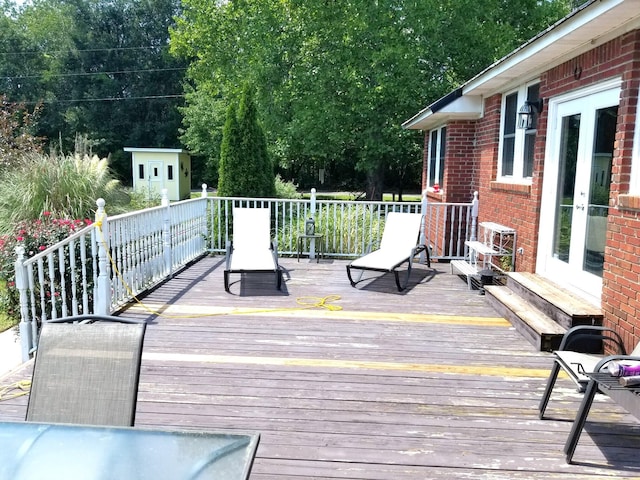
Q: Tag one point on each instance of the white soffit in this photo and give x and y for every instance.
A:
(462, 108)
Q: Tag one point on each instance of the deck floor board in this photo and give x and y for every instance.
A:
(421, 384)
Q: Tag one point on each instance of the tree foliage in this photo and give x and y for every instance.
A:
(17, 140)
(100, 69)
(337, 79)
(245, 167)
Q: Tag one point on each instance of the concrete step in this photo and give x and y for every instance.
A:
(557, 303)
(537, 327)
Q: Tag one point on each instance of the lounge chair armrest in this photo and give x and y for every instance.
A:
(587, 333)
(417, 249)
(611, 358)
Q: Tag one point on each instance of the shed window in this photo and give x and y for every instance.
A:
(170, 172)
(517, 145)
(141, 171)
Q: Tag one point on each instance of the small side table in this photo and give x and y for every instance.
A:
(319, 245)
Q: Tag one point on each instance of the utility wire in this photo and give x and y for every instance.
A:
(87, 74)
(53, 52)
(107, 99)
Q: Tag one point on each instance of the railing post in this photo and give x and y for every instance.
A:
(474, 217)
(103, 291)
(26, 338)
(204, 190)
(423, 226)
(312, 241)
(166, 233)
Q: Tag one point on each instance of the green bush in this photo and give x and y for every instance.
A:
(35, 236)
(286, 189)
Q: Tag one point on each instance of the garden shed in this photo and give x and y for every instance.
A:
(154, 169)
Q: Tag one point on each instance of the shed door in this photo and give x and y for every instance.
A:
(154, 176)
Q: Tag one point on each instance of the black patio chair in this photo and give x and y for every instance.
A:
(87, 371)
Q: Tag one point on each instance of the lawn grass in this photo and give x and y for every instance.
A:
(6, 322)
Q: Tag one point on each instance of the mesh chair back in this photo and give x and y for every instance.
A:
(251, 228)
(87, 373)
(401, 231)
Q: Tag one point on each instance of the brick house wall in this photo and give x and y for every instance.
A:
(518, 206)
(460, 176)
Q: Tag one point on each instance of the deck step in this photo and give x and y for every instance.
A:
(537, 327)
(561, 305)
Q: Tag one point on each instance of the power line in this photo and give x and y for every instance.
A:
(107, 99)
(87, 74)
(53, 52)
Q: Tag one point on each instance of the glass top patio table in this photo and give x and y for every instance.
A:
(37, 451)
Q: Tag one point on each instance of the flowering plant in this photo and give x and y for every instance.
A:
(35, 236)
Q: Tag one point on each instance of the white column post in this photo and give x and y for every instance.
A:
(474, 217)
(312, 242)
(423, 227)
(102, 302)
(26, 338)
(166, 233)
(204, 190)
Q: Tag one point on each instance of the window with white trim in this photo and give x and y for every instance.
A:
(634, 182)
(517, 145)
(437, 148)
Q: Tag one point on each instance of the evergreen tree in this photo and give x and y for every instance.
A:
(245, 168)
(229, 155)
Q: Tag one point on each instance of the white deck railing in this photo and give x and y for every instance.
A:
(104, 266)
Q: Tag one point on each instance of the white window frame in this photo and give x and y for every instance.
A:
(634, 180)
(519, 139)
(439, 155)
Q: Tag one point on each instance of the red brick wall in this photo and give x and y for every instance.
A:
(518, 206)
(621, 279)
(460, 177)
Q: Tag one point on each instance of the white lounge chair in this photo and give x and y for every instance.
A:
(399, 245)
(252, 249)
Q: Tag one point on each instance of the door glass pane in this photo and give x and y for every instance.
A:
(569, 137)
(599, 188)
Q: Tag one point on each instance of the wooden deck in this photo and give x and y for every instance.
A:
(424, 384)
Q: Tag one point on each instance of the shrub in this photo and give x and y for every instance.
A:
(35, 236)
(286, 189)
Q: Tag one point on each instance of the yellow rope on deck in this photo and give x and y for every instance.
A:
(304, 302)
(15, 390)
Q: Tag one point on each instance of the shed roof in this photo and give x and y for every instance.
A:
(155, 150)
(588, 26)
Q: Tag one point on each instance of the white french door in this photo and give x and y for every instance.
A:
(576, 189)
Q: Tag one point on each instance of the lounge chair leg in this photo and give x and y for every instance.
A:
(400, 286)
(581, 418)
(547, 391)
(226, 282)
(351, 280)
(278, 279)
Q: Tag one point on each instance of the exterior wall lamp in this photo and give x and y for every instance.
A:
(528, 113)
